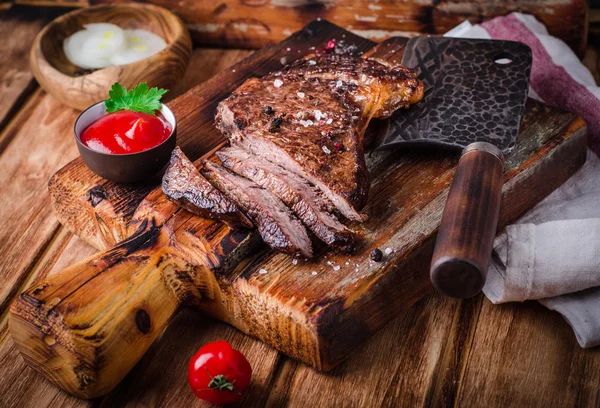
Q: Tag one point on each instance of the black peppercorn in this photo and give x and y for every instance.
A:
(268, 110)
(275, 123)
(239, 124)
(376, 255)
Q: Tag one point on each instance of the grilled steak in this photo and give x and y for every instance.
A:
(310, 118)
(183, 184)
(277, 226)
(302, 198)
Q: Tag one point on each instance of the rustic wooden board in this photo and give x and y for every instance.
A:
(320, 319)
(255, 23)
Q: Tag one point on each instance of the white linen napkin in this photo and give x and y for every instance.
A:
(552, 254)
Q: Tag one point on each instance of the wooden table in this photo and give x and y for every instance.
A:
(441, 352)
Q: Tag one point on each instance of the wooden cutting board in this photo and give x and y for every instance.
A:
(87, 326)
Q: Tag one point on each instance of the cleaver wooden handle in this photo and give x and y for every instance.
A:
(464, 242)
(86, 327)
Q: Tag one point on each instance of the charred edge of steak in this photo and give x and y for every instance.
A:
(295, 192)
(184, 185)
(278, 227)
(398, 84)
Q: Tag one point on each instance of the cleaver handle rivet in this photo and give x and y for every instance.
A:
(466, 234)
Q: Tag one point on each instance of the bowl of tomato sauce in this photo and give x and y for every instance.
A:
(125, 146)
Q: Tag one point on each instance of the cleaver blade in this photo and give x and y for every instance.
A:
(475, 95)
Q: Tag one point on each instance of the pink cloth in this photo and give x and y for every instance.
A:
(551, 82)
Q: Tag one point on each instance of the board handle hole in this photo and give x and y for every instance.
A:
(503, 58)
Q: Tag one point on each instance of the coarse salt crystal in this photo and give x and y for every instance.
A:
(306, 123)
(233, 70)
(328, 262)
(318, 114)
(313, 273)
(283, 60)
(312, 62)
(277, 83)
(262, 271)
(300, 94)
(294, 262)
(347, 263)
(338, 83)
(388, 251)
(326, 150)
(328, 121)
(336, 268)
(288, 49)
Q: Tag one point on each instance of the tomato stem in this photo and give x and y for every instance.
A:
(221, 383)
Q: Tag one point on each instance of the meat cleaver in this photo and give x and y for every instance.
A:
(475, 94)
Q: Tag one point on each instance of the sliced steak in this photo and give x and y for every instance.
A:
(310, 119)
(324, 149)
(302, 198)
(278, 227)
(183, 184)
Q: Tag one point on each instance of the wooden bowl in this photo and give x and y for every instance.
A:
(79, 88)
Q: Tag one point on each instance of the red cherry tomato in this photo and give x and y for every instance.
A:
(125, 132)
(219, 374)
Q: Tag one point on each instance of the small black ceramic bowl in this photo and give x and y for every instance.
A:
(124, 168)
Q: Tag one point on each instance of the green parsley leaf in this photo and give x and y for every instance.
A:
(140, 99)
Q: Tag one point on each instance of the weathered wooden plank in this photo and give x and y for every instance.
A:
(18, 28)
(25, 165)
(403, 365)
(525, 355)
(255, 23)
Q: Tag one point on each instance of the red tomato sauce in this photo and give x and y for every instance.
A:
(126, 132)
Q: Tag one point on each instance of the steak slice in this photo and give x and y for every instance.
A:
(302, 198)
(277, 226)
(310, 119)
(183, 184)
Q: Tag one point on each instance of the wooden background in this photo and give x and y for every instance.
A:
(442, 352)
(254, 23)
